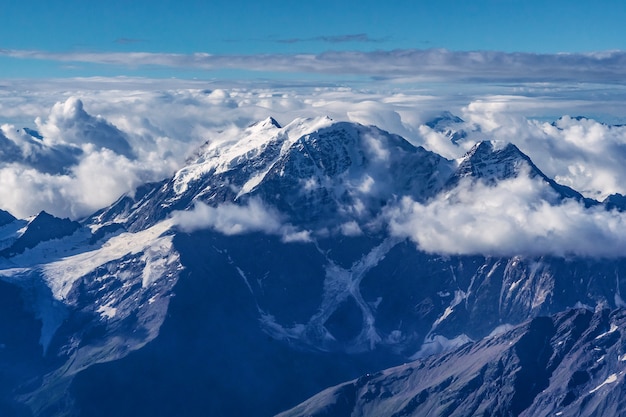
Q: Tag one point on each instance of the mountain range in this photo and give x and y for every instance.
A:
(278, 264)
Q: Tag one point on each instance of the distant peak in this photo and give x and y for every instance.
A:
(44, 217)
(494, 161)
(481, 148)
(444, 118)
(42, 228)
(265, 123)
(271, 121)
(493, 147)
(449, 125)
(563, 121)
(44, 214)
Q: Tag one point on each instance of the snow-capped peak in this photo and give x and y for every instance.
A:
(444, 120)
(253, 149)
(302, 126)
(493, 161)
(266, 123)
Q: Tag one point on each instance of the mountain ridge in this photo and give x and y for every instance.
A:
(556, 365)
(342, 298)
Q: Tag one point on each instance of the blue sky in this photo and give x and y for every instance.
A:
(170, 74)
(61, 33)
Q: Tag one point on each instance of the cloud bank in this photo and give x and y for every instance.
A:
(333, 39)
(71, 163)
(419, 64)
(518, 216)
(100, 138)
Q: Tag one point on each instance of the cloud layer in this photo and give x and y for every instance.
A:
(103, 137)
(429, 64)
(356, 37)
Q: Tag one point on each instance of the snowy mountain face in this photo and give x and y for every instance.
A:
(307, 169)
(265, 269)
(492, 163)
(80, 304)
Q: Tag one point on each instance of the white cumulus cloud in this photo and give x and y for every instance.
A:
(518, 216)
(235, 219)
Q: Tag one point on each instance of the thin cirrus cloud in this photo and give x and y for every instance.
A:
(416, 64)
(128, 41)
(334, 39)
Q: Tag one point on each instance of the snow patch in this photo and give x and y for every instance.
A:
(302, 126)
(583, 305)
(394, 337)
(245, 279)
(611, 330)
(107, 311)
(9, 233)
(459, 296)
(157, 258)
(278, 332)
(339, 285)
(252, 183)
(609, 380)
